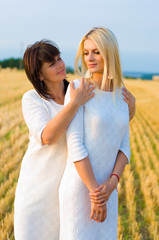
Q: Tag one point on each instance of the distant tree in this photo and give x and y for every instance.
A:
(18, 63)
(12, 63)
(69, 70)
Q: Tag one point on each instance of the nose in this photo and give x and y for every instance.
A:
(60, 63)
(90, 56)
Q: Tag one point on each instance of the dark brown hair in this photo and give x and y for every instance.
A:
(34, 56)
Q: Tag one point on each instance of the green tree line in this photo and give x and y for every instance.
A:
(12, 63)
(18, 63)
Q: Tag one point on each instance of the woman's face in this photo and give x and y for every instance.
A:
(92, 57)
(53, 72)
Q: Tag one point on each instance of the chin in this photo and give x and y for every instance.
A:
(93, 71)
(63, 75)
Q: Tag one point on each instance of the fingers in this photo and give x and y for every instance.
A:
(105, 214)
(125, 94)
(128, 95)
(100, 216)
(91, 89)
(103, 196)
(103, 199)
(102, 204)
(99, 202)
(82, 83)
(130, 100)
(126, 100)
(72, 86)
(97, 215)
(92, 213)
(91, 96)
(87, 85)
(97, 194)
(98, 189)
(126, 90)
(93, 194)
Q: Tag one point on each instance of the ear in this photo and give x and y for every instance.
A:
(41, 77)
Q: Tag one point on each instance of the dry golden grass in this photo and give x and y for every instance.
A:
(139, 185)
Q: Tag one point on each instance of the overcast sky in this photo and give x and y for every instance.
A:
(135, 24)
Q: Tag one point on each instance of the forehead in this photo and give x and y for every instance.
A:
(89, 44)
(45, 64)
(50, 60)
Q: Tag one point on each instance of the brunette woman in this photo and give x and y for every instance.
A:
(36, 206)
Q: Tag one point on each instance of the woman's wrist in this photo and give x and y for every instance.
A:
(113, 180)
(93, 187)
(116, 175)
(74, 104)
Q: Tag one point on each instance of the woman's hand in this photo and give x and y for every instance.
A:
(82, 94)
(130, 100)
(103, 192)
(98, 214)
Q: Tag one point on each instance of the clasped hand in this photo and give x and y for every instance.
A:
(99, 200)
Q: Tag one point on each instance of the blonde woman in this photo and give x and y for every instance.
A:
(98, 144)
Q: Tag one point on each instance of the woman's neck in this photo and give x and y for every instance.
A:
(97, 78)
(56, 92)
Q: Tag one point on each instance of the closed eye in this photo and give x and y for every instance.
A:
(52, 64)
(97, 53)
(59, 59)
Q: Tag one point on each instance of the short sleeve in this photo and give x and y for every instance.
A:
(75, 134)
(125, 145)
(35, 114)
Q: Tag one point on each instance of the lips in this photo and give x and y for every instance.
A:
(61, 72)
(91, 65)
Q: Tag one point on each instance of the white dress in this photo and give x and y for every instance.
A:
(36, 206)
(99, 129)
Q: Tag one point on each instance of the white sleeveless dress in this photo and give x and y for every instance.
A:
(99, 129)
(36, 206)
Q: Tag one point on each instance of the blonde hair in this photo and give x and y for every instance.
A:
(108, 47)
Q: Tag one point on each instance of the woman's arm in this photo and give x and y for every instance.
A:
(79, 156)
(121, 162)
(103, 192)
(85, 172)
(76, 148)
(41, 126)
(55, 127)
(130, 100)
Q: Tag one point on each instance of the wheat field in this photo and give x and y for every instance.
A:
(139, 186)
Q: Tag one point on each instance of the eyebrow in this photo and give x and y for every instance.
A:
(93, 49)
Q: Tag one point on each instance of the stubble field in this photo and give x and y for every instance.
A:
(139, 185)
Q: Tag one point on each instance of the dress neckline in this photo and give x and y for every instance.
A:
(60, 105)
(107, 92)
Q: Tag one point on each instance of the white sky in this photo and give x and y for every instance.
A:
(135, 24)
